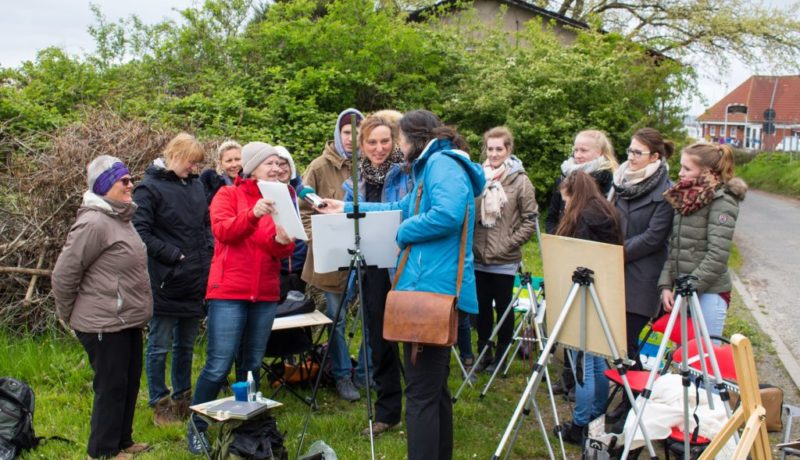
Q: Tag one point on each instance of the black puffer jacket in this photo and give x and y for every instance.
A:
(173, 221)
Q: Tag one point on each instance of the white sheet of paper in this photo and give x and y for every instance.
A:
(334, 235)
(286, 212)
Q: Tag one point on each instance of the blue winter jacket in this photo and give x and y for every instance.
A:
(451, 184)
(395, 186)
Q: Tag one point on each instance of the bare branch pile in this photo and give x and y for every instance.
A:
(41, 189)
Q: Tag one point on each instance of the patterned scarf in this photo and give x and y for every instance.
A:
(376, 175)
(633, 184)
(599, 163)
(494, 197)
(688, 196)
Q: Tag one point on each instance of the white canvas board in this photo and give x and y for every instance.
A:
(285, 211)
(334, 235)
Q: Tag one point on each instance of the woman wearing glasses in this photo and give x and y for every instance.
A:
(102, 292)
(243, 284)
(639, 185)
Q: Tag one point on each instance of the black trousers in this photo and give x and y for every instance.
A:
(385, 355)
(429, 408)
(500, 289)
(116, 359)
(634, 324)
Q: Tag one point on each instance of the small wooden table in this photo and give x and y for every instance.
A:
(202, 411)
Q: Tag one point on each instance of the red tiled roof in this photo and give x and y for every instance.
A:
(756, 94)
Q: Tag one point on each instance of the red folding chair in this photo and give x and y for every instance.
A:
(727, 370)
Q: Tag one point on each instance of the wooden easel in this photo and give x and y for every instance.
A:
(751, 412)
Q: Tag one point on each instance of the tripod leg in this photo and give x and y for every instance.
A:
(497, 369)
(685, 374)
(312, 401)
(618, 361)
(364, 342)
(537, 370)
(464, 372)
(694, 304)
(483, 352)
(639, 410)
(701, 352)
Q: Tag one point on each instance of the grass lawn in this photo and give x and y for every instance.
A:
(773, 172)
(58, 371)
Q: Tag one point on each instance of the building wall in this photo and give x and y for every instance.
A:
(513, 20)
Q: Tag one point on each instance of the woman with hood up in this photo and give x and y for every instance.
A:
(325, 174)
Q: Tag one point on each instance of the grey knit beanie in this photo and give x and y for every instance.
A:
(253, 154)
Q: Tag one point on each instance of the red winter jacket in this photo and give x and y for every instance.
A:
(246, 263)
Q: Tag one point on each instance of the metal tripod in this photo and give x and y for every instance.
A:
(685, 289)
(357, 265)
(582, 281)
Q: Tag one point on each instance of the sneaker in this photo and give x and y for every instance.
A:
(181, 405)
(347, 390)
(198, 442)
(137, 448)
(164, 412)
(359, 383)
(571, 433)
(379, 428)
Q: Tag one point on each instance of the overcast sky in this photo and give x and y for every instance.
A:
(30, 25)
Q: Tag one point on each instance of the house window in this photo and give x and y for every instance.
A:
(712, 130)
(733, 131)
(722, 131)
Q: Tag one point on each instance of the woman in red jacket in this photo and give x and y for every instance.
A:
(244, 281)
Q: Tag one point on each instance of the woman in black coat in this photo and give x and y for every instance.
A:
(639, 184)
(172, 219)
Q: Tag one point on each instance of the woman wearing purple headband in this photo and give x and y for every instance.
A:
(102, 292)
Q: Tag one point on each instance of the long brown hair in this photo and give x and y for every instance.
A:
(422, 126)
(583, 192)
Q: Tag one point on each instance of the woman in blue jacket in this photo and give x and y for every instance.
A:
(451, 184)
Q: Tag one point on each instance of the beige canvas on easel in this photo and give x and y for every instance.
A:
(561, 257)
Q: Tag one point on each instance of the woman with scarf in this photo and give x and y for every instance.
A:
(593, 154)
(228, 167)
(383, 178)
(102, 292)
(325, 174)
(706, 202)
(506, 220)
(432, 232)
(588, 216)
(646, 217)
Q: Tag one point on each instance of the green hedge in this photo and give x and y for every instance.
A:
(773, 172)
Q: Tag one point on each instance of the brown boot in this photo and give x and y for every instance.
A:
(182, 404)
(164, 412)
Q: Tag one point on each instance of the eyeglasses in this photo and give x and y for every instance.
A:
(277, 164)
(637, 153)
(126, 181)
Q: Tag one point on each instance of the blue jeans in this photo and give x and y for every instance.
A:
(464, 336)
(341, 367)
(714, 310)
(590, 398)
(176, 334)
(234, 326)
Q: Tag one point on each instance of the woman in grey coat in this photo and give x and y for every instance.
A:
(639, 184)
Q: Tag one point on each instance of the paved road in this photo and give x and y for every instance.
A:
(768, 236)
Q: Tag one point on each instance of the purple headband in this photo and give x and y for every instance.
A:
(108, 177)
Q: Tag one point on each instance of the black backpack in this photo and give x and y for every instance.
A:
(16, 418)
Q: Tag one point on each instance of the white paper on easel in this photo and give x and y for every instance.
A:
(285, 211)
(334, 235)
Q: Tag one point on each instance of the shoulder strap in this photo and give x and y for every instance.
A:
(461, 251)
